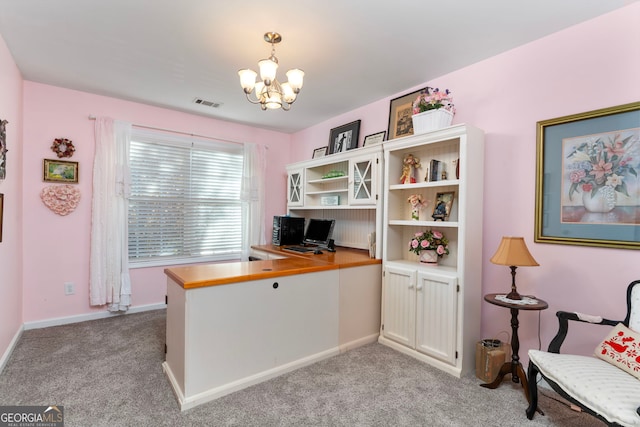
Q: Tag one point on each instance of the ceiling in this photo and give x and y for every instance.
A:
(353, 52)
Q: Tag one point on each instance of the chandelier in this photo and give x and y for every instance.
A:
(270, 93)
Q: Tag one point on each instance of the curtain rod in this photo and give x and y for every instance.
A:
(92, 117)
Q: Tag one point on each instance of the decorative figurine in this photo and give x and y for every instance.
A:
(408, 165)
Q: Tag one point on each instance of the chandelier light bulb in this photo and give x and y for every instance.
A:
(247, 79)
(268, 70)
(287, 93)
(295, 78)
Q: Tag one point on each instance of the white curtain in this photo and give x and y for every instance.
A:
(253, 190)
(109, 280)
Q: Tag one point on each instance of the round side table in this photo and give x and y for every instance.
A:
(514, 367)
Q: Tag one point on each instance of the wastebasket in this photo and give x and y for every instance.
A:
(490, 356)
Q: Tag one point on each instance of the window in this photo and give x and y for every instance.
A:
(185, 203)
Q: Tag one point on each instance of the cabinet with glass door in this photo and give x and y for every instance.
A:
(343, 186)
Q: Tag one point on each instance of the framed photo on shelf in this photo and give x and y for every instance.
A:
(59, 171)
(587, 178)
(319, 152)
(400, 112)
(375, 138)
(344, 137)
(443, 205)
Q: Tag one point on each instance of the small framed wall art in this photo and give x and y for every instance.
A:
(59, 171)
(400, 112)
(344, 137)
(375, 138)
(443, 205)
(319, 152)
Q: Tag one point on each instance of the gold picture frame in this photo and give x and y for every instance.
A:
(588, 178)
(59, 171)
(443, 205)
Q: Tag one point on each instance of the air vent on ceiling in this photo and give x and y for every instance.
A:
(207, 103)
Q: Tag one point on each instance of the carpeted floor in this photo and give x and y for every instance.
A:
(108, 373)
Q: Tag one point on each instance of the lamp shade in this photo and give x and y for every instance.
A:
(247, 79)
(295, 78)
(268, 70)
(287, 93)
(513, 251)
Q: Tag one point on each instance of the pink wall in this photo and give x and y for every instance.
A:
(11, 187)
(586, 67)
(57, 247)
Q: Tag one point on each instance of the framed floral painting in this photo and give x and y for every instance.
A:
(587, 178)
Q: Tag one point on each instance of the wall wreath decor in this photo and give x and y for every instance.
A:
(63, 147)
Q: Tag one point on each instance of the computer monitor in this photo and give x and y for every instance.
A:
(319, 232)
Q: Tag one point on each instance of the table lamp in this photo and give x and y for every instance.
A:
(514, 253)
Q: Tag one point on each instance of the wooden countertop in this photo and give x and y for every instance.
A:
(344, 257)
(197, 276)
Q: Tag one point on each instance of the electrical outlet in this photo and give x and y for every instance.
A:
(69, 288)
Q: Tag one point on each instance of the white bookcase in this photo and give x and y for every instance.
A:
(345, 187)
(433, 313)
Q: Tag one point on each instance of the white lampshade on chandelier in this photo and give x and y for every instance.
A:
(269, 92)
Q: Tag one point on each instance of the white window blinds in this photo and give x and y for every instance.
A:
(185, 201)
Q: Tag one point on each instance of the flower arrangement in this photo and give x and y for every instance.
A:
(429, 240)
(433, 99)
(603, 162)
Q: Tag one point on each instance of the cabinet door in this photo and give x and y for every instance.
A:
(294, 190)
(400, 305)
(436, 315)
(362, 180)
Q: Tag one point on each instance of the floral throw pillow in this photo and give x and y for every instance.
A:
(621, 348)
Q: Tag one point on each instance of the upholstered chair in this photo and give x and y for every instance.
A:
(605, 385)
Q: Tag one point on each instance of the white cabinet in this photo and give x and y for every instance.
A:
(433, 313)
(345, 187)
(295, 187)
(436, 313)
(227, 337)
(352, 176)
(399, 309)
(420, 311)
(362, 180)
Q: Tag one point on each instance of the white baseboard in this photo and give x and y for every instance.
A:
(7, 354)
(456, 370)
(217, 392)
(91, 316)
(358, 343)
